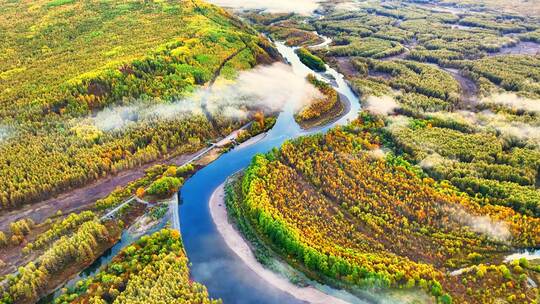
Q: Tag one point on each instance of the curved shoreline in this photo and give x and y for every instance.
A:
(340, 109)
(236, 242)
(253, 140)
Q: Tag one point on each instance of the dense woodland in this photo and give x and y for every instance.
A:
(413, 77)
(66, 61)
(72, 242)
(478, 163)
(453, 37)
(311, 61)
(329, 105)
(448, 181)
(152, 270)
(87, 239)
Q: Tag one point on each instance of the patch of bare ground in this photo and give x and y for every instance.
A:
(344, 66)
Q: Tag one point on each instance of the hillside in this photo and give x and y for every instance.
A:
(72, 70)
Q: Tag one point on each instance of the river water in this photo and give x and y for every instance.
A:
(212, 262)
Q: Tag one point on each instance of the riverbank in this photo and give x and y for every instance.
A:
(343, 105)
(241, 248)
(255, 139)
(83, 198)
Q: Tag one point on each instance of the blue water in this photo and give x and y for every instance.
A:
(212, 262)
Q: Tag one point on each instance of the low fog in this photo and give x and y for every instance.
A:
(303, 7)
(483, 224)
(433, 160)
(382, 105)
(501, 123)
(347, 6)
(4, 133)
(377, 153)
(397, 122)
(269, 88)
(513, 101)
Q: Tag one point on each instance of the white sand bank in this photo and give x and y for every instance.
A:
(236, 242)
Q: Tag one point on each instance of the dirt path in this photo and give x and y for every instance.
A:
(521, 48)
(82, 198)
(469, 89)
(345, 66)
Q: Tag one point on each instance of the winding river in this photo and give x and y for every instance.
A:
(213, 263)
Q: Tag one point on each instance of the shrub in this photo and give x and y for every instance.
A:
(165, 186)
(3, 239)
(311, 61)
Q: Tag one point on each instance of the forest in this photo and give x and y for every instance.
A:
(321, 109)
(342, 209)
(152, 270)
(27, 245)
(86, 241)
(477, 163)
(311, 61)
(68, 69)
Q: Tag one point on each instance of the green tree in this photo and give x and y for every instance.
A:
(165, 186)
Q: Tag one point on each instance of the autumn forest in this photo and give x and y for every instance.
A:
(246, 151)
